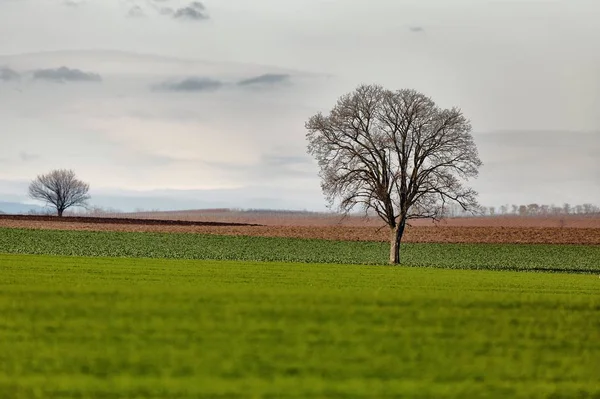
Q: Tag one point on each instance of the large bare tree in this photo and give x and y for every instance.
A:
(61, 189)
(395, 153)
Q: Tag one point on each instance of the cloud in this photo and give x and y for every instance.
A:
(191, 85)
(194, 11)
(64, 74)
(160, 6)
(74, 3)
(266, 79)
(278, 160)
(277, 165)
(136, 12)
(417, 29)
(273, 167)
(26, 157)
(208, 84)
(7, 74)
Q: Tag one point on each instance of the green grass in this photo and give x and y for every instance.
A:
(140, 328)
(194, 246)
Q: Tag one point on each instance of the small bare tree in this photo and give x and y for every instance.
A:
(395, 153)
(61, 189)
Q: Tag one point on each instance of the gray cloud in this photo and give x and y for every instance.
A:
(7, 74)
(277, 160)
(282, 166)
(64, 74)
(194, 11)
(136, 12)
(272, 166)
(191, 85)
(74, 3)
(160, 7)
(208, 84)
(417, 29)
(26, 156)
(266, 79)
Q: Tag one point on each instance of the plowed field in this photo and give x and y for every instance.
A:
(289, 218)
(421, 234)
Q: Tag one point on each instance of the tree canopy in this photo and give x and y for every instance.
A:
(61, 189)
(396, 153)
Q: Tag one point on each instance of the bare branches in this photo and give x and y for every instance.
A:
(395, 153)
(61, 189)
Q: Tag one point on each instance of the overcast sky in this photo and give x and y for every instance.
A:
(183, 104)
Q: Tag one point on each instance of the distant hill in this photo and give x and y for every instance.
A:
(18, 208)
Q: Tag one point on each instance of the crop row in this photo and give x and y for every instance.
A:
(197, 246)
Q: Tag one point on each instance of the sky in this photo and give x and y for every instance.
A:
(176, 104)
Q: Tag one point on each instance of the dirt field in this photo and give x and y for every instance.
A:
(286, 218)
(433, 233)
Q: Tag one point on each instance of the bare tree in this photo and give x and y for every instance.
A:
(556, 210)
(522, 210)
(61, 189)
(396, 153)
(533, 209)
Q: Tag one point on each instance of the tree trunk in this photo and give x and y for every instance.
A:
(60, 212)
(395, 240)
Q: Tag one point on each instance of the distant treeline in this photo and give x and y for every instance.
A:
(531, 210)
(451, 211)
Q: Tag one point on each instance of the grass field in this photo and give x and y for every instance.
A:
(149, 328)
(570, 258)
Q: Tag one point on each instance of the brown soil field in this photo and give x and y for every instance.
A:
(121, 220)
(433, 233)
(288, 218)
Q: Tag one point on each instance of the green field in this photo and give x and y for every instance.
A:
(570, 258)
(154, 328)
